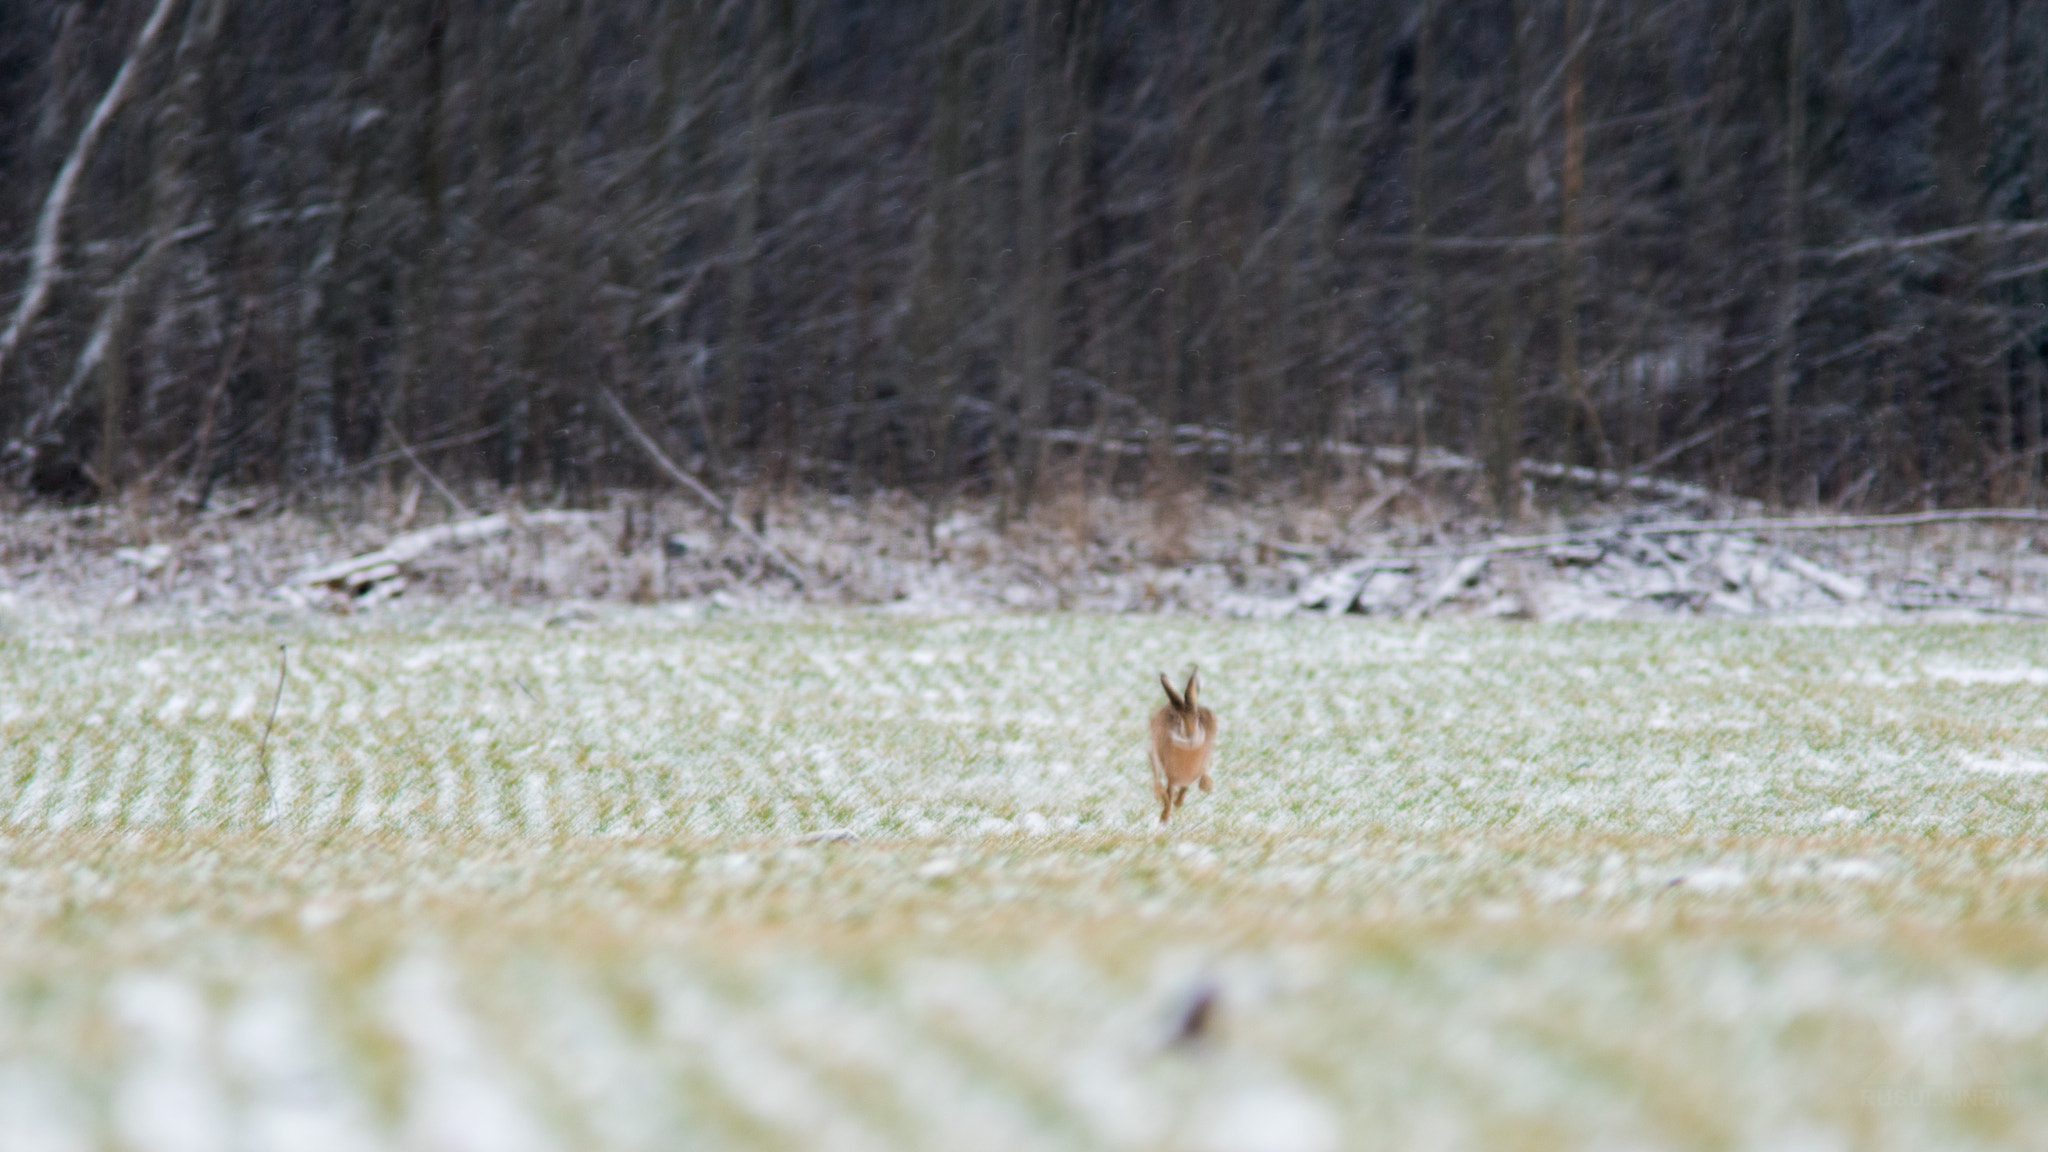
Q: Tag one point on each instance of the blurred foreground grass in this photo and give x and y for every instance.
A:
(854, 882)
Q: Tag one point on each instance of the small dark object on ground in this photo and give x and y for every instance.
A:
(1197, 1016)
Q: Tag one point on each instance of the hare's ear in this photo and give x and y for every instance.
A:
(1192, 687)
(1172, 697)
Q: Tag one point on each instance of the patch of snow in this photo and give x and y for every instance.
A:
(1851, 870)
(319, 913)
(1115, 1102)
(1712, 879)
(37, 1114)
(1963, 674)
(2003, 765)
(737, 866)
(458, 1099)
(1269, 1117)
(1243, 607)
(169, 1100)
(294, 1097)
(1552, 887)
(147, 561)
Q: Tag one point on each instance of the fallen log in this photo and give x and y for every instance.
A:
(1844, 588)
(364, 569)
(1461, 577)
(1641, 548)
(1718, 527)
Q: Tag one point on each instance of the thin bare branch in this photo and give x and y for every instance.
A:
(48, 245)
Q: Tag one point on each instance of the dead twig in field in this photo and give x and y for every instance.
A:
(263, 748)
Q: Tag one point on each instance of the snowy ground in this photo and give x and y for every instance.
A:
(641, 880)
(245, 560)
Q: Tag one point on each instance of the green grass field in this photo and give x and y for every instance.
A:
(851, 882)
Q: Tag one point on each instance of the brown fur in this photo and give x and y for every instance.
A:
(1183, 742)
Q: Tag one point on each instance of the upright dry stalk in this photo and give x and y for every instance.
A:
(263, 748)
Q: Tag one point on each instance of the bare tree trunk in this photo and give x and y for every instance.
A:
(1245, 300)
(1192, 112)
(1572, 185)
(171, 195)
(1417, 377)
(1507, 328)
(2027, 44)
(1037, 277)
(421, 358)
(313, 438)
(736, 346)
(1959, 154)
(936, 362)
(114, 397)
(1077, 244)
(2031, 415)
(1785, 359)
(313, 444)
(106, 352)
(862, 452)
(1309, 269)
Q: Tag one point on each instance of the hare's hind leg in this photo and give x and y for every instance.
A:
(1207, 784)
(1180, 796)
(1165, 803)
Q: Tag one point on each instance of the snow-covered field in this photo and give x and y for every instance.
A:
(854, 881)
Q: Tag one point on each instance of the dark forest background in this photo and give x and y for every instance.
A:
(1796, 251)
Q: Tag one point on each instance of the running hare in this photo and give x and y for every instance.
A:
(1183, 740)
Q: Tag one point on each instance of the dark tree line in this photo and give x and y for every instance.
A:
(1797, 250)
